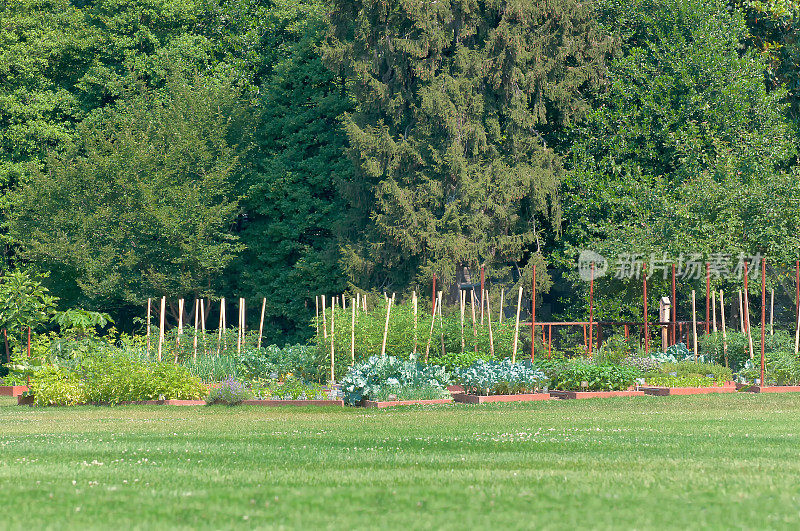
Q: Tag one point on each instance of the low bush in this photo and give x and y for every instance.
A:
(780, 368)
(393, 378)
(291, 388)
(229, 392)
(500, 378)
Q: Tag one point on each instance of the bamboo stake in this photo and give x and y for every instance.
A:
(358, 301)
(386, 329)
(474, 322)
(489, 318)
(161, 327)
(316, 316)
(741, 312)
(430, 334)
(149, 303)
(714, 310)
(343, 303)
(180, 329)
(364, 300)
(196, 324)
(747, 316)
(203, 325)
(772, 314)
(333, 373)
(239, 331)
(324, 320)
(219, 327)
(694, 325)
(261, 321)
(441, 324)
(415, 303)
(353, 307)
(461, 295)
(724, 332)
(502, 294)
(225, 327)
(516, 327)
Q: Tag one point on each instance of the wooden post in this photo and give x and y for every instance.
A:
(316, 316)
(358, 301)
(433, 297)
(161, 327)
(474, 321)
(674, 308)
(196, 324)
(763, 314)
(591, 310)
(386, 328)
(364, 302)
(324, 320)
(415, 304)
(797, 336)
(533, 311)
(516, 327)
(741, 312)
(261, 320)
(239, 330)
(549, 342)
(353, 307)
(724, 332)
(489, 318)
(149, 302)
(797, 287)
(502, 294)
(747, 312)
(694, 324)
(585, 341)
(333, 372)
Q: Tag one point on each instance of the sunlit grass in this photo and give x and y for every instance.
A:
(674, 462)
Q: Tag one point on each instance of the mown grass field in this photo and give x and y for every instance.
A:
(714, 461)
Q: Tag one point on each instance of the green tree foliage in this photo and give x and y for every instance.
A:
(24, 303)
(292, 206)
(145, 206)
(683, 152)
(457, 107)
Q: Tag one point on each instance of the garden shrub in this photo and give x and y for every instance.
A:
(500, 378)
(57, 386)
(290, 388)
(780, 368)
(391, 377)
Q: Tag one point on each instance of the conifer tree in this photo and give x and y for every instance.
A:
(458, 111)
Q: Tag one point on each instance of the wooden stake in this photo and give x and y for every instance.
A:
(415, 304)
(203, 324)
(714, 310)
(724, 332)
(316, 316)
(353, 307)
(261, 321)
(461, 295)
(441, 324)
(533, 311)
(772, 314)
(333, 372)
(747, 313)
(196, 324)
(694, 324)
(149, 302)
(430, 333)
(324, 320)
(502, 294)
(180, 329)
(763, 314)
(474, 321)
(516, 328)
(161, 327)
(741, 312)
(489, 318)
(386, 329)
(797, 336)
(364, 301)
(219, 327)
(239, 331)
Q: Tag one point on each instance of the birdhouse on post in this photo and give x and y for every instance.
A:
(664, 313)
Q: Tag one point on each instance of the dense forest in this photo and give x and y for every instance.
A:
(288, 148)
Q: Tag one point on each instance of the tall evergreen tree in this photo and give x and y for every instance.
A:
(459, 105)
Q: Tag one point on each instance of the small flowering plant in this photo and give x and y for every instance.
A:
(229, 392)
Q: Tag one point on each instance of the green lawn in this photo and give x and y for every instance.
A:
(675, 462)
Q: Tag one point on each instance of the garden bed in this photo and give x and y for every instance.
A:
(728, 387)
(277, 403)
(12, 390)
(392, 403)
(748, 388)
(163, 403)
(594, 394)
(482, 399)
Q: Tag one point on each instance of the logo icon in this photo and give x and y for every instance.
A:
(585, 261)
